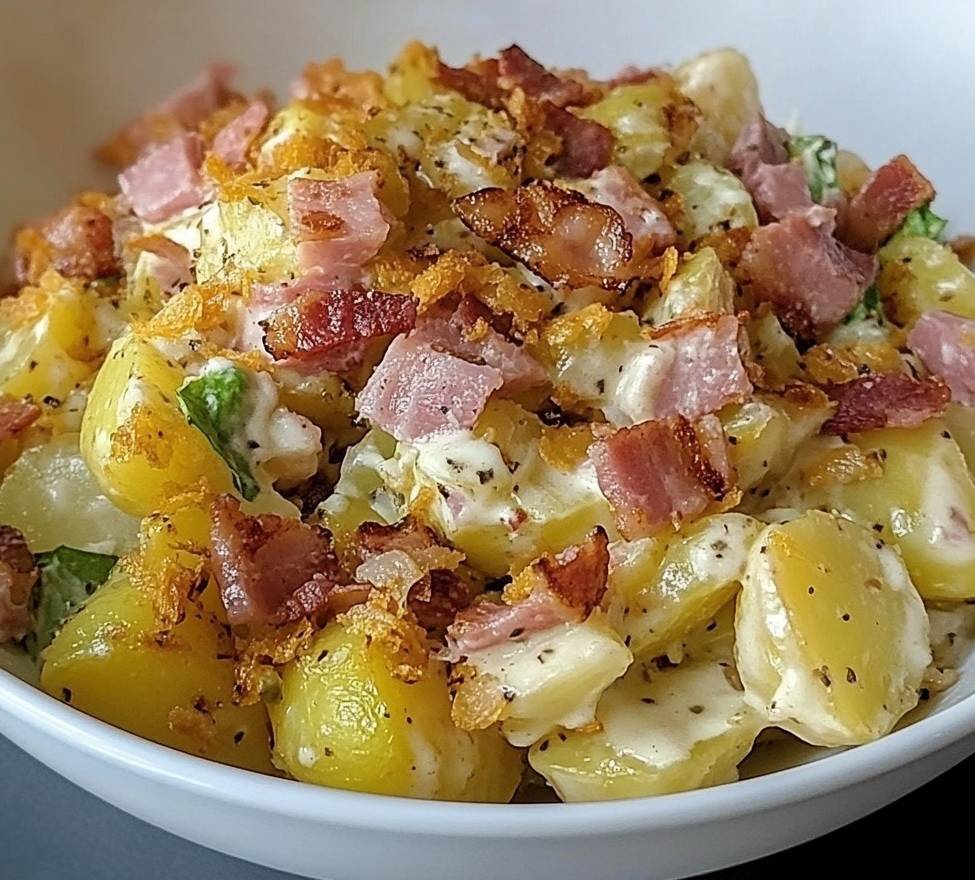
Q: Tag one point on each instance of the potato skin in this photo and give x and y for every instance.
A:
(344, 720)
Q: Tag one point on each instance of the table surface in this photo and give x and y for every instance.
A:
(52, 830)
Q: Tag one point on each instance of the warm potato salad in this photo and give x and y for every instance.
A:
(435, 431)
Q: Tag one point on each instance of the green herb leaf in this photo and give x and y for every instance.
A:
(817, 155)
(924, 223)
(67, 578)
(215, 403)
(870, 307)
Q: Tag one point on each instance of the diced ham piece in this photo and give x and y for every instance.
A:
(945, 343)
(760, 158)
(558, 233)
(466, 332)
(79, 244)
(566, 588)
(329, 329)
(417, 391)
(516, 68)
(891, 400)
(661, 473)
(642, 214)
(16, 416)
(340, 224)
(234, 140)
(166, 179)
(17, 578)
(587, 146)
(699, 369)
(270, 569)
(811, 280)
(883, 203)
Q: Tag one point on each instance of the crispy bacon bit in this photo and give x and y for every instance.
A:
(704, 369)
(811, 280)
(17, 578)
(630, 75)
(417, 391)
(408, 535)
(587, 146)
(558, 233)
(945, 343)
(77, 241)
(234, 140)
(270, 569)
(16, 416)
(517, 69)
(661, 473)
(642, 214)
(577, 575)
(340, 224)
(467, 331)
(166, 179)
(183, 111)
(892, 400)
(883, 203)
(329, 328)
(477, 83)
(761, 160)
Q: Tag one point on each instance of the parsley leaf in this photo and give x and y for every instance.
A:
(924, 223)
(215, 403)
(67, 578)
(868, 307)
(817, 155)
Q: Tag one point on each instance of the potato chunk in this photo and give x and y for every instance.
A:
(914, 490)
(660, 591)
(134, 438)
(832, 637)
(345, 720)
(660, 731)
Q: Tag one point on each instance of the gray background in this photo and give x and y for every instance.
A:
(51, 830)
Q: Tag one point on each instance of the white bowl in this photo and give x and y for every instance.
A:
(878, 77)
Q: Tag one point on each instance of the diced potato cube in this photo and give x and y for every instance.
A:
(832, 637)
(712, 200)
(772, 348)
(919, 274)
(700, 286)
(52, 497)
(346, 720)
(660, 731)
(913, 489)
(659, 591)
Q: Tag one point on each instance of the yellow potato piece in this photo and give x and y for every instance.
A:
(134, 437)
(345, 720)
(661, 731)
(918, 495)
(712, 200)
(831, 636)
(660, 590)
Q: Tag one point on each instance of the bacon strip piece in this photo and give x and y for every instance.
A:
(166, 179)
(945, 343)
(661, 473)
(704, 369)
(559, 234)
(567, 588)
(467, 332)
(77, 241)
(233, 141)
(340, 224)
(329, 329)
(587, 146)
(883, 203)
(16, 416)
(517, 69)
(760, 158)
(417, 391)
(891, 400)
(270, 569)
(811, 280)
(643, 216)
(17, 578)
(477, 82)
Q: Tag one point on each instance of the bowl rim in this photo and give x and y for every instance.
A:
(374, 812)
